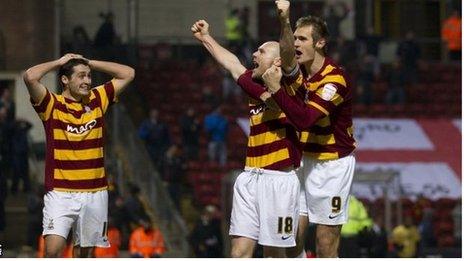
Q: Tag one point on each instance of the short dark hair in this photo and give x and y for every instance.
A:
(320, 29)
(67, 69)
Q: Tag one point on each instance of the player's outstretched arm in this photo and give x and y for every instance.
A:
(33, 75)
(287, 48)
(122, 74)
(228, 60)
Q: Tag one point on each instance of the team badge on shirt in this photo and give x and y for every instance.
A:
(328, 92)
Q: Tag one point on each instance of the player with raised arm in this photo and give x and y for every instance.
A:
(325, 122)
(75, 177)
(265, 199)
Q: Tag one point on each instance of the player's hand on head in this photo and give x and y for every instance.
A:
(200, 28)
(283, 9)
(65, 58)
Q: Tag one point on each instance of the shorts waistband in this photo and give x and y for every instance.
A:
(269, 172)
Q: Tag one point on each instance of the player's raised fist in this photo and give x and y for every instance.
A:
(272, 78)
(283, 9)
(200, 28)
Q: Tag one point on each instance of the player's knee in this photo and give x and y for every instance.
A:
(52, 252)
(237, 252)
(293, 252)
(325, 247)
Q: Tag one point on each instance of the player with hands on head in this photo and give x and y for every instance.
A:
(265, 197)
(75, 178)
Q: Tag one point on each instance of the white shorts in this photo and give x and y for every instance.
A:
(85, 212)
(327, 189)
(265, 207)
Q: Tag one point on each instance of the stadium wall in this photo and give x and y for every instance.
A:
(28, 33)
(157, 20)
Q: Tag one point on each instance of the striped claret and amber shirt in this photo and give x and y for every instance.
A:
(325, 120)
(273, 142)
(74, 138)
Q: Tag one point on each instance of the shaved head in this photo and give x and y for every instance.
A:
(273, 47)
(264, 57)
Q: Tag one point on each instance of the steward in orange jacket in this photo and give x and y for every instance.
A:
(114, 237)
(451, 33)
(146, 241)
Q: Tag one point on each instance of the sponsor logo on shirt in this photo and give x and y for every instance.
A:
(83, 128)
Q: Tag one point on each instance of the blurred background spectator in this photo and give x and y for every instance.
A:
(451, 34)
(146, 241)
(216, 126)
(405, 238)
(155, 133)
(206, 236)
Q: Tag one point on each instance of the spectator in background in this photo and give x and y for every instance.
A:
(351, 233)
(216, 126)
(426, 229)
(155, 133)
(174, 169)
(409, 53)
(35, 205)
(105, 38)
(379, 240)
(134, 206)
(206, 236)
(396, 83)
(106, 34)
(190, 131)
(2, 51)
(81, 42)
(3, 189)
(3, 177)
(8, 107)
(120, 216)
(114, 237)
(343, 53)
(229, 86)
(20, 155)
(365, 80)
(451, 35)
(248, 45)
(209, 98)
(333, 18)
(146, 241)
(6, 101)
(405, 238)
(371, 42)
(234, 31)
(457, 219)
